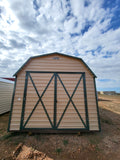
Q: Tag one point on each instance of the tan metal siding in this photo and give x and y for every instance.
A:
(6, 90)
(63, 64)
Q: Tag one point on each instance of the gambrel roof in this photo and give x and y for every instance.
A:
(53, 54)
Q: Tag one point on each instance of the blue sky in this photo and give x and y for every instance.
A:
(89, 29)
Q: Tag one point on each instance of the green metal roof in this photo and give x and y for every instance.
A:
(53, 54)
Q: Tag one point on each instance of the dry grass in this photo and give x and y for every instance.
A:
(88, 146)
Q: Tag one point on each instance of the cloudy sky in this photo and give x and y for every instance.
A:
(89, 29)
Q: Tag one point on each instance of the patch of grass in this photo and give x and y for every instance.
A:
(118, 129)
(42, 140)
(6, 136)
(2, 131)
(37, 137)
(107, 121)
(92, 141)
(97, 149)
(58, 150)
(65, 142)
(16, 138)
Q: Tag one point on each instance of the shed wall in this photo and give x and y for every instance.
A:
(61, 64)
(6, 90)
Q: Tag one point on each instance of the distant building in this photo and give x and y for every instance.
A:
(107, 92)
(110, 92)
(100, 92)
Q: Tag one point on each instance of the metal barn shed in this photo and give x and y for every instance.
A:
(6, 91)
(54, 93)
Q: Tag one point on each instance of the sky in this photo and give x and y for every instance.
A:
(89, 29)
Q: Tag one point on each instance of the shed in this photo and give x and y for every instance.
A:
(6, 91)
(54, 93)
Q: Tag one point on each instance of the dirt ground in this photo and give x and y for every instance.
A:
(102, 145)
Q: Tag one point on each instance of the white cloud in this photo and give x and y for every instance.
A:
(70, 27)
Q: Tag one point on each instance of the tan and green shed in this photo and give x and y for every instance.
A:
(54, 93)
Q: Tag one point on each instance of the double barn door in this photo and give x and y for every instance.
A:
(55, 101)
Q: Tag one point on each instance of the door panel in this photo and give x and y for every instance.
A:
(39, 113)
(31, 99)
(70, 106)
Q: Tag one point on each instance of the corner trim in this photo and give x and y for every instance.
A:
(12, 105)
(98, 115)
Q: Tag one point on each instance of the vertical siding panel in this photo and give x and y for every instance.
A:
(6, 90)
